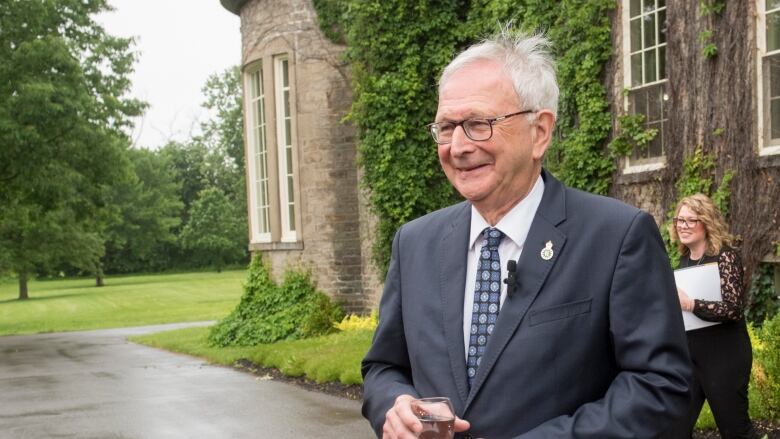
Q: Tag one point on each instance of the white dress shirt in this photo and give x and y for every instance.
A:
(515, 226)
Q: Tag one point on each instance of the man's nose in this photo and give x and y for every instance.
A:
(460, 142)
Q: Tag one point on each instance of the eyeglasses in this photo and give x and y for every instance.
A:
(689, 223)
(477, 130)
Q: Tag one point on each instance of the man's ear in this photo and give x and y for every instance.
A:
(542, 132)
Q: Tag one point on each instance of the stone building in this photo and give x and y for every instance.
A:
(303, 182)
(705, 75)
(305, 206)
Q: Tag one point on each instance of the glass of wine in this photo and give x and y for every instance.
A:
(437, 417)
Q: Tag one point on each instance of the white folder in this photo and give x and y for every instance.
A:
(699, 282)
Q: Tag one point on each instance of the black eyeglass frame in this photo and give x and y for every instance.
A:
(689, 223)
(431, 126)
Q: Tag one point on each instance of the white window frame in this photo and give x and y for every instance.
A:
(284, 132)
(658, 162)
(766, 146)
(256, 128)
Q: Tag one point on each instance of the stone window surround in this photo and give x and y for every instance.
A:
(644, 165)
(267, 62)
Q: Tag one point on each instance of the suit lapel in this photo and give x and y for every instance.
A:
(532, 271)
(452, 252)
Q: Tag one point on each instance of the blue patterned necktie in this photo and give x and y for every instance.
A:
(487, 292)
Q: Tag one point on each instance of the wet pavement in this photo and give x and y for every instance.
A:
(97, 385)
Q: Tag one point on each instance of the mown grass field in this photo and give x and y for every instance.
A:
(76, 304)
(332, 358)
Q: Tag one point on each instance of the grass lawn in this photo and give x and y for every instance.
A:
(332, 358)
(76, 304)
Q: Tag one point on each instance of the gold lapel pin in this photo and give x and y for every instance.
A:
(547, 251)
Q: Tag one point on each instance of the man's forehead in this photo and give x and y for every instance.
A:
(478, 89)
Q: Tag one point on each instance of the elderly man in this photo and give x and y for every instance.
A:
(539, 310)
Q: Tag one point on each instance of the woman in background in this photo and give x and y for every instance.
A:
(721, 354)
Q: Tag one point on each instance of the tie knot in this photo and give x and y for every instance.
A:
(493, 237)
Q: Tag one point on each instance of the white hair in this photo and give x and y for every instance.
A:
(527, 61)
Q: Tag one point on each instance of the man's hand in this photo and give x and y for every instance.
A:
(401, 422)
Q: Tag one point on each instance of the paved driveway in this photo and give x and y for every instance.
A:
(95, 384)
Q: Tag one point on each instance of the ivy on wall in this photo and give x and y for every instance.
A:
(396, 50)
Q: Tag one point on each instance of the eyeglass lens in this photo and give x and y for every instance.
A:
(687, 222)
(475, 129)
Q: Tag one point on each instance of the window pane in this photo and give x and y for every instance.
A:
(771, 4)
(288, 157)
(775, 118)
(287, 103)
(640, 102)
(773, 31)
(650, 101)
(638, 154)
(654, 105)
(261, 166)
(285, 74)
(635, 8)
(287, 132)
(649, 30)
(661, 3)
(636, 69)
(655, 146)
(649, 57)
(636, 35)
(662, 26)
(291, 212)
(662, 62)
(773, 62)
(648, 6)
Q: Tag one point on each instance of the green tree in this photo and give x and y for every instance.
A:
(223, 135)
(187, 162)
(225, 130)
(149, 211)
(216, 233)
(213, 159)
(63, 110)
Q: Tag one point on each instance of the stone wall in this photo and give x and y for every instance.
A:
(334, 227)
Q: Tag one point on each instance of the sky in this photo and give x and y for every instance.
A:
(179, 44)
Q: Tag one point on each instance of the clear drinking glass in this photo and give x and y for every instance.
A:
(437, 417)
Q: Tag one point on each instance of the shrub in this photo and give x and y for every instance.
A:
(355, 322)
(268, 313)
(763, 298)
(766, 368)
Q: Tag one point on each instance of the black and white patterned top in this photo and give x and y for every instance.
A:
(732, 307)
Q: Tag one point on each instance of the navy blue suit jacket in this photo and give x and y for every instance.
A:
(590, 345)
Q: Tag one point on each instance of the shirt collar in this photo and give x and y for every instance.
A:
(516, 223)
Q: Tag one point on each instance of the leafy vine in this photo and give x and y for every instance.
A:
(396, 50)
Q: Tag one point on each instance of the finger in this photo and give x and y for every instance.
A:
(387, 433)
(409, 419)
(461, 425)
(399, 427)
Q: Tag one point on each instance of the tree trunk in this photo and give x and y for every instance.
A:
(23, 286)
(99, 275)
(99, 278)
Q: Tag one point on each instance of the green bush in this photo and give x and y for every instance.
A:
(766, 368)
(763, 298)
(268, 313)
